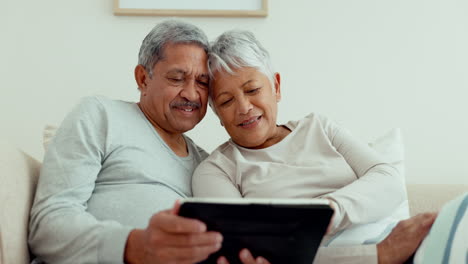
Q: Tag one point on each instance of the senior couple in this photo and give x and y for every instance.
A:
(114, 170)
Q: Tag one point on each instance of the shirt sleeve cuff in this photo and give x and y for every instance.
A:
(112, 247)
(337, 218)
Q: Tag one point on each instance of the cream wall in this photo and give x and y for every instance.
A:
(370, 65)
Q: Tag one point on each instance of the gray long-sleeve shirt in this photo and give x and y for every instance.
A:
(106, 172)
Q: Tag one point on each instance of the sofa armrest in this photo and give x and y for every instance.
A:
(19, 173)
(431, 197)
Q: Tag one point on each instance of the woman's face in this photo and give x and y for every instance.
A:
(246, 104)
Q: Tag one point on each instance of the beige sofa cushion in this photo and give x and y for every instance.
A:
(431, 197)
(18, 179)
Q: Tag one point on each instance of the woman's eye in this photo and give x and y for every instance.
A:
(252, 91)
(176, 79)
(224, 103)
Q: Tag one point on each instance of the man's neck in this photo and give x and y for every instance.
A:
(175, 141)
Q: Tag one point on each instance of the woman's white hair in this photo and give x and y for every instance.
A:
(236, 49)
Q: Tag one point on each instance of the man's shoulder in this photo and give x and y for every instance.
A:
(200, 153)
(91, 103)
(102, 101)
(101, 104)
(88, 107)
(97, 110)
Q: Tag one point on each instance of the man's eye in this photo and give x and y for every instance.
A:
(204, 84)
(176, 79)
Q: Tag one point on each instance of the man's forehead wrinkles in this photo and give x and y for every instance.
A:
(198, 72)
(177, 70)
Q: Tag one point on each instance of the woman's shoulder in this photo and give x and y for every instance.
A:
(219, 161)
(314, 124)
(318, 117)
(311, 118)
(221, 154)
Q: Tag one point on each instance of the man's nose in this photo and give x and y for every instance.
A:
(189, 91)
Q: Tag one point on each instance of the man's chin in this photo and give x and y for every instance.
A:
(184, 122)
(183, 127)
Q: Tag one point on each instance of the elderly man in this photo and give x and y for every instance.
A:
(113, 164)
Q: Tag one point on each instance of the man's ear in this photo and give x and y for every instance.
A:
(277, 82)
(141, 77)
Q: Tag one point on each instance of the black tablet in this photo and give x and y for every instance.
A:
(281, 230)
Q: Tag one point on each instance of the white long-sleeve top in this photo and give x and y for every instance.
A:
(317, 159)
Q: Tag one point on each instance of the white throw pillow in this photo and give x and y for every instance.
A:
(48, 134)
(390, 146)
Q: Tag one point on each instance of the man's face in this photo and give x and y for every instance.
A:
(175, 98)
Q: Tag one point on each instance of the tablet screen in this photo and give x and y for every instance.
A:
(282, 231)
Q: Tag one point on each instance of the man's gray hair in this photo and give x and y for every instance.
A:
(236, 49)
(168, 32)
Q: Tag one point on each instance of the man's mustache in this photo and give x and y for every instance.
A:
(186, 103)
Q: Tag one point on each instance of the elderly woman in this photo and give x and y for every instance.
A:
(309, 158)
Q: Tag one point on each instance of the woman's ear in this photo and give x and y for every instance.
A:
(141, 77)
(277, 80)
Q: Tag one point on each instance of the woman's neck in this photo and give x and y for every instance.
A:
(280, 133)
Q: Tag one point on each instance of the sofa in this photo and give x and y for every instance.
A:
(19, 173)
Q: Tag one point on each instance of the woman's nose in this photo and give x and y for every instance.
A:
(243, 106)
